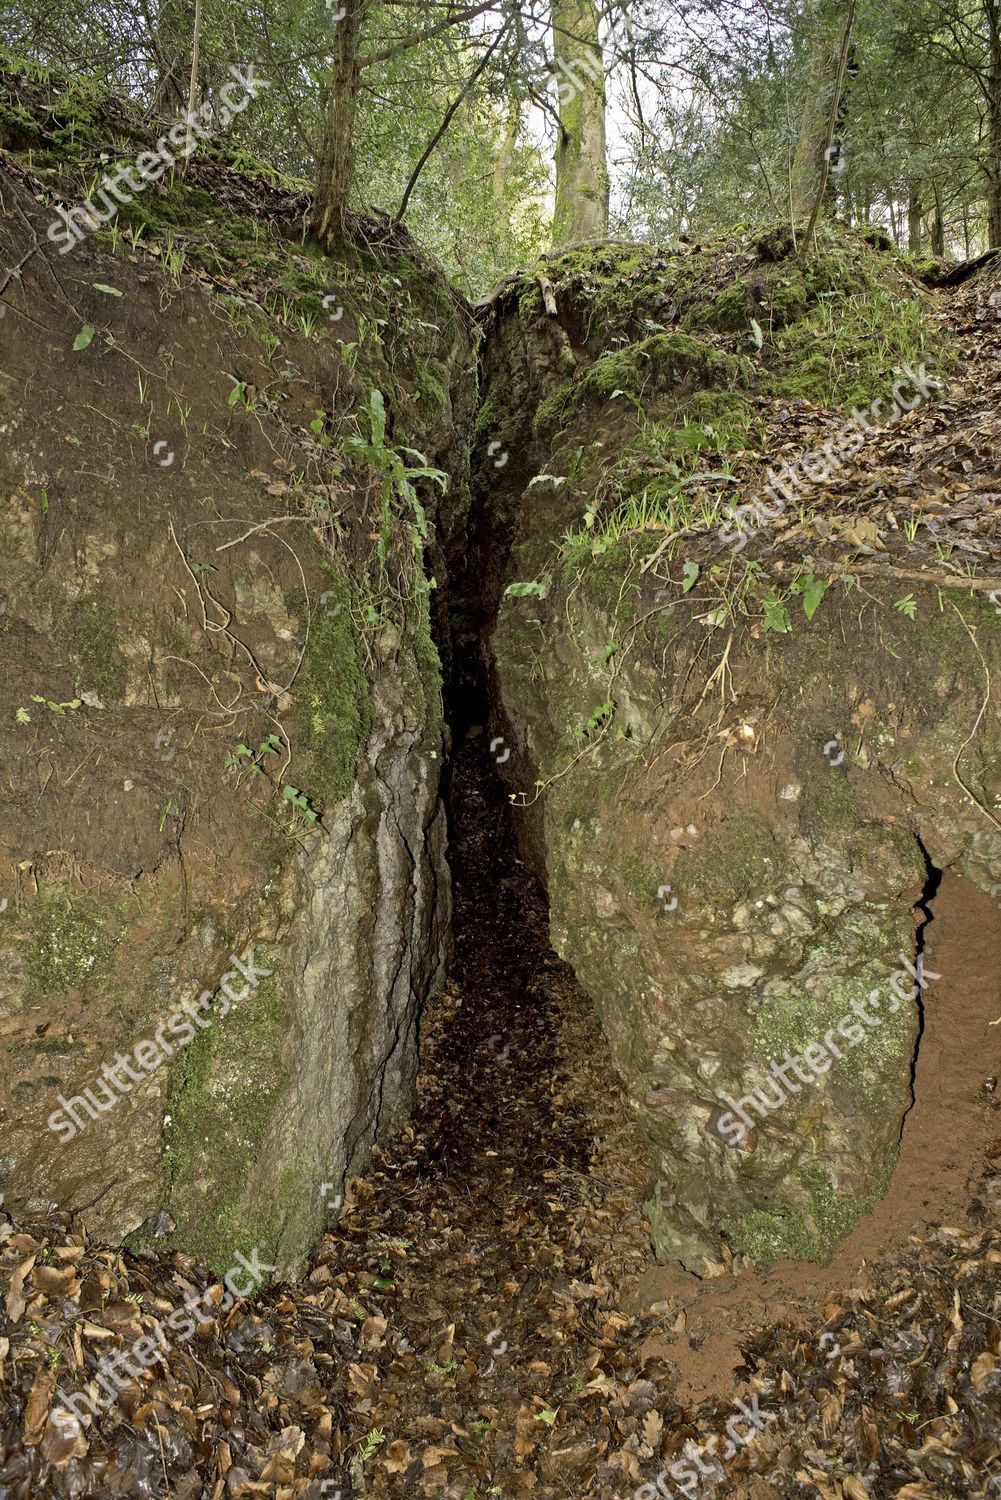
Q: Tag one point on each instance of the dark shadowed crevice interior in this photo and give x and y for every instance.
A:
(923, 906)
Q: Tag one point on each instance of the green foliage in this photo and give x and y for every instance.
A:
(253, 760)
(396, 476)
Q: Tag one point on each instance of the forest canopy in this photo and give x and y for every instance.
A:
(497, 129)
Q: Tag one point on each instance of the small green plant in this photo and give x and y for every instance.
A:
(397, 477)
(56, 708)
(776, 613)
(812, 591)
(252, 760)
(598, 720)
(908, 606)
(299, 802)
(371, 1445)
(537, 589)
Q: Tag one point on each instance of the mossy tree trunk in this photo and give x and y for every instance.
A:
(994, 124)
(336, 169)
(581, 162)
(823, 98)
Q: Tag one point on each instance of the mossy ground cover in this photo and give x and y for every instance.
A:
(688, 352)
(71, 942)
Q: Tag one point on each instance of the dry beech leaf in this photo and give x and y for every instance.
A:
(653, 1427)
(981, 1368)
(36, 1411)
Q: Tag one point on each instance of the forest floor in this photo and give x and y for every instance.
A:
(485, 1318)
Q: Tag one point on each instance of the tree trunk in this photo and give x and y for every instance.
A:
(196, 38)
(809, 164)
(581, 163)
(336, 170)
(937, 226)
(169, 41)
(502, 167)
(994, 118)
(914, 218)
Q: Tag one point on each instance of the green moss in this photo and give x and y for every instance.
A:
(332, 709)
(841, 351)
(70, 944)
(733, 308)
(142, 1238)
(835, 799)
(430, 387)
(792, 1021)
(766, 1235)
(553, 413)
(812, 1233)
(663, 361)
(637, 879)
(225, 1088)
(93, 625)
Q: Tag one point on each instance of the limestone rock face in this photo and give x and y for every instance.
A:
(734, 806)
(222, 727)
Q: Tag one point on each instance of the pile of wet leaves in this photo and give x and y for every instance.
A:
(894, 1390)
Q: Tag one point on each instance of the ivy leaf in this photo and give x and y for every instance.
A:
(776, 614)
(813, 590)
(110, 291)
(533, 590)
(84, 337)
(689, 574)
